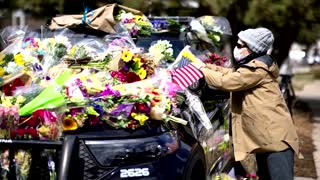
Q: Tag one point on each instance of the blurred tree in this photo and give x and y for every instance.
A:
(290, 20)
(40, 8)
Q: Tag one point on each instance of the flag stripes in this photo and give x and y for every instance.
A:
(186, 75)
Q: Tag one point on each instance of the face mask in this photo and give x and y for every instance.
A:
(237, 54)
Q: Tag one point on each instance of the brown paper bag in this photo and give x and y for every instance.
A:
(116, 63)
(100, 19)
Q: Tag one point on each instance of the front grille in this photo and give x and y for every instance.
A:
(88, 167)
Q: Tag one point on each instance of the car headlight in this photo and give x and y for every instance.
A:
(112, 153)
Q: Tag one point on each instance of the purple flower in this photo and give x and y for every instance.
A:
(108, 91)
(74, 111)
(134, 31)
(37, 67)
(125, 68)
(78, 82)
(122, 109)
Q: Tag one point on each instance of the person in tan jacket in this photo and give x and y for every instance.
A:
(261, 121)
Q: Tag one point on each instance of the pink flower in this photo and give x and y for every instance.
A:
(172, 88)
(6, 111)
(1, 111)
(44, 116)
(13, 111)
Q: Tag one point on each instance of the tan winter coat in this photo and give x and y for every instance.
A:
(261, 121)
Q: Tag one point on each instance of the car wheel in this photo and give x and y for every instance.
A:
(196, 166)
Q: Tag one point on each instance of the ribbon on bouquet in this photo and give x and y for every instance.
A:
(87, 12)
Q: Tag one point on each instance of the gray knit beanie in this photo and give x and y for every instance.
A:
(258, 40)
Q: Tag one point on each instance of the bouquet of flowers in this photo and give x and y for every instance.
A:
(136, 25)
(9, 114)
(162, 49)
(214, 58)
(11, 64)
(54, 49)
(135, 67)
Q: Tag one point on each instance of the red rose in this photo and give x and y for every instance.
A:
(32, 122)
(17, 82)
(7, 90)
(13, 134)
(32, 132)
(132, 77)
(94, 120)
(142, 107)
(20, 132)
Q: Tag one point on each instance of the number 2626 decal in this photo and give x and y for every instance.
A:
(134, 172)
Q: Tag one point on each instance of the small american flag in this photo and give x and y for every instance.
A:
(186, 75)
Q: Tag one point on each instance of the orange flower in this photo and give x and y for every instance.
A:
(69, 124)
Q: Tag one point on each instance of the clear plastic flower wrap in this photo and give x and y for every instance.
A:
(196, 106)
(120, 40)
(10, 34)
(28, 92)
(94, 47)
(50, 97)
(53, 50)
(216, 23)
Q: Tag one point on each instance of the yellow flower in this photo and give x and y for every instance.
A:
(19, 59)
(142, 73)
(138, 18)
(69, 124)
(208, 20)
(2, 56)
(136, 59)
(6, 102)
(126, 56)
(140, 117)
(52, 40)
(73, 51)
(20, 99)
(44, 130)
(1, 72)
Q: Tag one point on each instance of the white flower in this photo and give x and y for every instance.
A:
(162, 46)
(125, 16)
(169, 51)
(226, 137)
(29, 57)
(63, 40)
(13, 68)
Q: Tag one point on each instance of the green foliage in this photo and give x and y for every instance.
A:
(41, 8)
(174, 26)
(60, 50)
